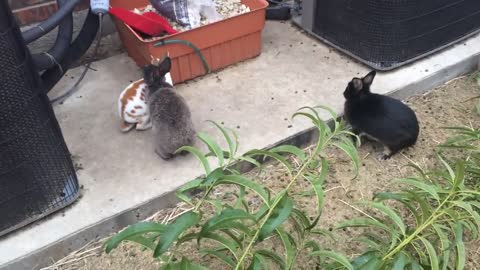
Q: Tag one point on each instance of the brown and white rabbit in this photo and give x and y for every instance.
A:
(171, 118)
(132, 105)
(382, 118)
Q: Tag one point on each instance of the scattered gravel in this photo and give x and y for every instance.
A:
(226, 9)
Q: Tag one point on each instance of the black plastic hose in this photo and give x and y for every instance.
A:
(47, 26)
(51, 58)
(76, 50)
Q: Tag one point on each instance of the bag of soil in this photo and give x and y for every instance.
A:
(187, 13)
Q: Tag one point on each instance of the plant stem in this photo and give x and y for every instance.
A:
(434, 216)
(272, 208)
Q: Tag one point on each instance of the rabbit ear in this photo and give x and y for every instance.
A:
(357, 84)
(154, 61)
(165, 66)
(368, 80)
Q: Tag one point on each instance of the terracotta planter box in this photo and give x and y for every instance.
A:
(222, 43)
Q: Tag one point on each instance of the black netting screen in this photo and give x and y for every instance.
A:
(36, 173)
(386, 34)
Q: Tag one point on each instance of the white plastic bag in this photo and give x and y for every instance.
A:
(187, 12)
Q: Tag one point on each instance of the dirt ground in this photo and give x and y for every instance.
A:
(444, 106)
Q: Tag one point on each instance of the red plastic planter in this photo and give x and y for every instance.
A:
(222, 43)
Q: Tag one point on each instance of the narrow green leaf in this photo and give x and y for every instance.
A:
(256, 263)
(132, 231)
(288, 246)
(243, 181)
(419, 185)
(403, 198)
(301, 217)
(261, 212)
(186, 238)
(219, 255)
(180, 193)
(212, 146)
(350, 150)
(241, 198)
(273, 257)
(469, 226)
(217, 204)
(226, 217)
(143, 241)
(461, 252)
(231, 246)
(316, 121)
(373, 263)
(317, 185)
(400, 261)
(281, 213)
(174, 230)
(432, 254)
(185, 264)
(415, 265)
(363, 222)
(273, 155)
(445, 242)
(231, 145)
(250, 160)
(323, 171)
(312, 244)
(233, 235)
(467, 207)
(213, 176)
(337, 257)
(297, 226)
(323, 233)
(449, 169)
(314, 223)
(363, 259)
(201, 157)
(291, 150)
(332, 113)
(389, 213)
(372, 245)
(422, 200)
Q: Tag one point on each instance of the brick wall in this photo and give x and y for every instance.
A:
(32, 11)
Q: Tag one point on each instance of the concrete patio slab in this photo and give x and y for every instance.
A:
(124, 181)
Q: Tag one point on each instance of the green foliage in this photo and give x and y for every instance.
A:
(443, 208)
(466, 143)
(236, 233)
(422, 225)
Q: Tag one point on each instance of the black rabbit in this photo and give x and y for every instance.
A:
(382, 118)
(171, 118)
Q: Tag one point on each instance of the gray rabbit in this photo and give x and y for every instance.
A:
(171, 118)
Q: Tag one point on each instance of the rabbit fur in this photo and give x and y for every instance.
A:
(172, 125)
(379, 117)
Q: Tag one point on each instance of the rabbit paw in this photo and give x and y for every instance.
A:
(387, 154)
(144, 125)
(383, 157)
(126, 127)
(164, 156)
